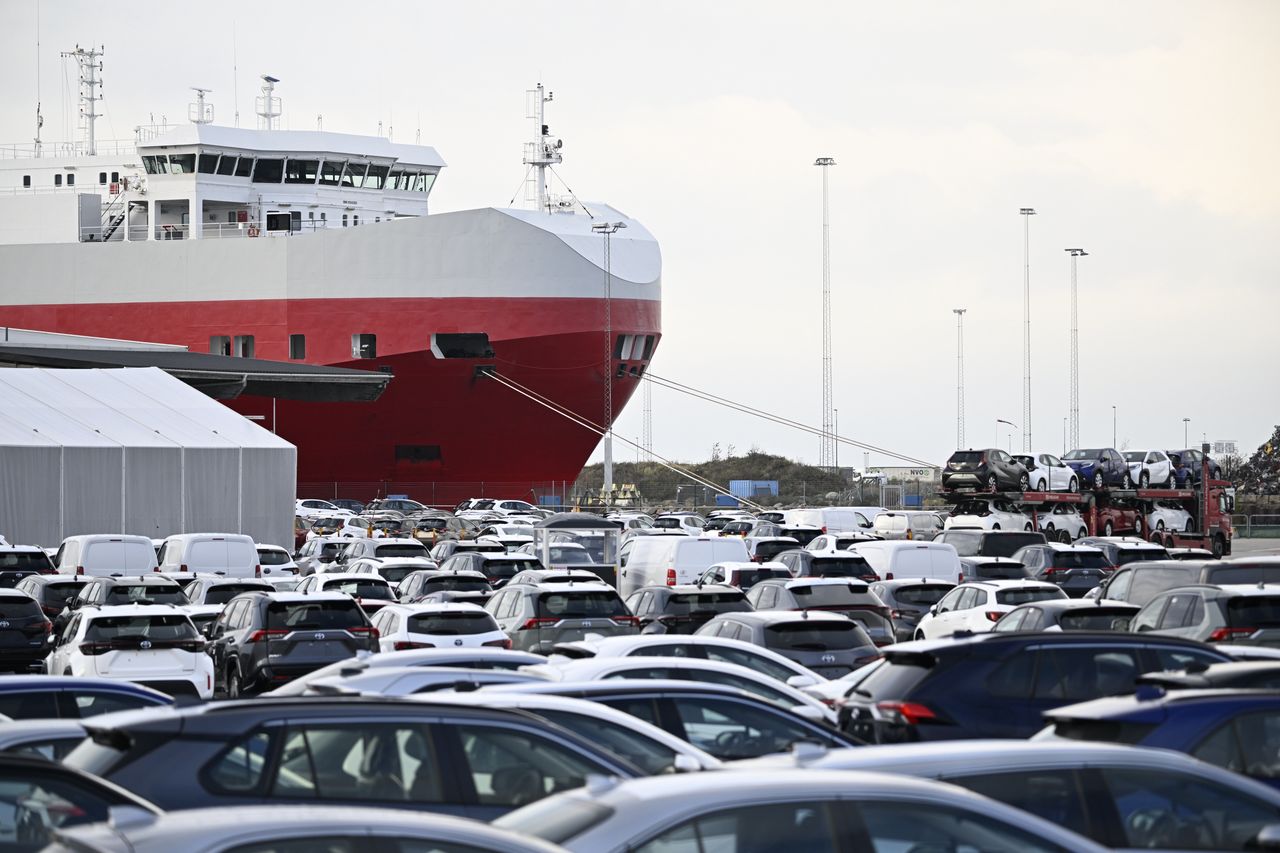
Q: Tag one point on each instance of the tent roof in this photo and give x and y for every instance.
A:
(134, 407)
(577, 521)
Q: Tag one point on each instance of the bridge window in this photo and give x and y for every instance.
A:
(102, 177)
(301, 171)
(395, 180)
(244, 167)
(26, 180)
(220, 345)
(227, 165)
(331, 172)
(268, 171)
(71, 179)
(364, 346)
(182, 164)
(355, 220)
(354, 175)
(115, 177)
(344, 220)
(57, 180)
(377, 177)
(208, 164)
(297, 347)
(425, 181)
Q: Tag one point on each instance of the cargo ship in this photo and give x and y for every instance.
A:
(319, 247)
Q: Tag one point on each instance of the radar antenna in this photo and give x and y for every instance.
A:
(200, 112)
(267, 104)
(544, 151)
(90, 92)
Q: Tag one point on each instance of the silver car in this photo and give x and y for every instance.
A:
(537, 616)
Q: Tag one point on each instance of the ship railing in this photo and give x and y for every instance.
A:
(176, 231)
(50, 150)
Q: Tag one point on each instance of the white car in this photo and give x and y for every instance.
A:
(509, 536)
(743, 575)
(411, 680)
(276, 561)
(429, 626)
(686, 522)
(977, 606)
(313, 508)
(467, 657)
(150, 644)
(1048, 473)
(1052, 519)
(370, 591)
(1168, 516)
(391, 569)
(988, 514)
(216, 590)
(1149, 468)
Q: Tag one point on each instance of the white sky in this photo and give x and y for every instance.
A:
(1145, 132)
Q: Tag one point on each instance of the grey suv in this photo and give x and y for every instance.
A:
(467, 586)
(846, 596)
(827, 643)
(1235, 613)
(537, 616)
(264, 639)
(683, 609)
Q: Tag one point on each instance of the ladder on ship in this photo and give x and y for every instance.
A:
(114, 213)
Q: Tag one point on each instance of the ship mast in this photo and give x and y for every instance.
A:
(90, 92)
(544, 151)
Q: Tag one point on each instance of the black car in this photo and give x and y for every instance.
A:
(991, 569)
(133, 589)
(999, 685)
(991, 470)
(24, 633)
(971, 542)
(447, 758)
(25, 558)
(1188, 467)
(683, 609)
(1075, 568)
(807, 564)
(48, 697)
(416, 586)
(52, 592)
(498, 568)
(908, 601)
(848, 597)
(765, 548)
(38, 797)
(264, 639)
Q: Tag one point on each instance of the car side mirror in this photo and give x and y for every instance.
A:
(799, 681)
(1268, 838)
(685, 764)
(810, 713)
(933, 611)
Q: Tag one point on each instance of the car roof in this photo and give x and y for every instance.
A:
(149, 578)
(326, 577)
(21, 549)
(131, 609)
(620, 686)
(585, 585)
(793, 583)
(899, 583)
(606, 647)
(444, 607)
(15, 593)
(961, 644)
(690, 588)
(20, 683)
(1155, 700)
(775, 617)
(1064, 547)
(1014, 583)
(301, 597)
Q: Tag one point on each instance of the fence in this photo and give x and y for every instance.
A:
(1256, 526)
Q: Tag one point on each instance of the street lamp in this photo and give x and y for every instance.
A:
(1185, 423)
(607, 230)
(1113, 426)
(1064, 436)
(1010, 423)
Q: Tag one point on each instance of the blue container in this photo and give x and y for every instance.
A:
(726, 500)
(913, 500)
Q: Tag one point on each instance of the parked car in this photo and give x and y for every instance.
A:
(24, 632)
(919, 560)
(683, 609)
(342, 751)
(371, 592)
(909, 524)
(973, 542)
(25, 558)
(831, 519)
(312, 508)
(276, 560)
(104, 554)
(1249, 615)
(139, 589)
(318, 554)
(743, 575)
(231, 555)
(216, 590)
(999, 685)
(150, 645)
(763, 549)
(991, 469)
(266, 639)
(829, 542)
(1189, 464)
(1191, 554)
(1067, 614)
(1048, 473)
(1100, 467)
(1075, 568)
(537, 616)
(469, 586)
(834, 564)
(52, 592)
(426, 626)
(1238, 730)
(413, 681)
(1118, 796)
(1060, 522)
(783, 810)
(465, 657)
(846, 596)
(975, 607)
(391, 569)
(46, 697)
(1149, 467)
(725, 722)
(830, 644)
(908, 600)
(387, 547)
(987, 514)
(685, 522)
(657, 560)
(1120, 516)
(1163, 515)
(497, 568)
(51, 739)
(991, 569)
(1122, 550)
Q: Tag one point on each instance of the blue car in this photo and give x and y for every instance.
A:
(1235, 729)
(1097, 468)
(43, 697)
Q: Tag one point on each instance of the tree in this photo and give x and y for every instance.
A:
(715, 452)
(1231, 463)
(1261, 474)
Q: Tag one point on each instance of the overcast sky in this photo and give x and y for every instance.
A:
(1146, 133)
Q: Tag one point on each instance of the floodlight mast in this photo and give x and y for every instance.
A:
(826, 448)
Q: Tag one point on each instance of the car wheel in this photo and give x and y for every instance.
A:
(1097, 481)
(1064, 537)
(1048, 530)
(991, 483)
(1144, 479)
(1107, 529)
(1160, 526)
(1024, 483)
(1040, 486)
(1073, 486)
(995, 527)
(1127, 482)
(920, 635)
(1191, 526)
(1219, 547)
(234, 690)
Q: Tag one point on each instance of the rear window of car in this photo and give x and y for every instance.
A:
(271, 557)
(580, 604)
(1110, 731)
(999, 571)
(36, 561)
(885, 521)
(1138, 555)
(747, 578)
(839, 567)
(979, 508)
(57, 594)
(146, 593)
(1026, 596)
(1096, 619)
(158, 627)
(451, 623)
(972, 456)
(1080, 560)
(19, 608)
(508, 568)
(361, 589)
(1222, 574)
(769, 550)
(404, 549)
(707, 602)
(313, 615)
(455, 584)
(222, 593)
(927, 595)
(965, 543)
(1254, 611)
(829, 594)
(1008, 544)
(130, 557)
(896, 678)
(805, 636)
(395, 574)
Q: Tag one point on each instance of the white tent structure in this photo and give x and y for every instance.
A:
(135, 451)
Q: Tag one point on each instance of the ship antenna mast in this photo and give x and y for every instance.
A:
(544, 151)
(268, 104)
(39, 117)
(200, 112)
(90, 92)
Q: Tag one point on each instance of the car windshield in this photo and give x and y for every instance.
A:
(965, 542)
(1000, 571)
(361, 589)
(1077, 455)
(706, 602)
(979, 508)
(1095, 619)
(1080, 560)
(1134, 455)
(580, 604)
(449, 624)
(272, 557)
(1138, 555)
(848, 567)
(224, 592)
(805, 636)
(455, 584)
(35, 561)
(151, 593)
(924, 595)
(1026, 596)
(1254, 611)
(313, 616)
(168, 626)
(828, 594)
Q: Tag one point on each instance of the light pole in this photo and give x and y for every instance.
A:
(607, 230)
(959, 312)
(1010, 423)
(826, 452)
(1026, 213)
(1113, 427)
(1185, 423)
(836, 434)
(1064, 436)
(1074, 404)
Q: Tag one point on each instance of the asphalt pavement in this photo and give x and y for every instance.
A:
(1255, 547)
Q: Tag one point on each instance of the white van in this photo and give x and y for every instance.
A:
(102, 555)
(831, 519)
(231, 555)
(903, 559)
(671, 560)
